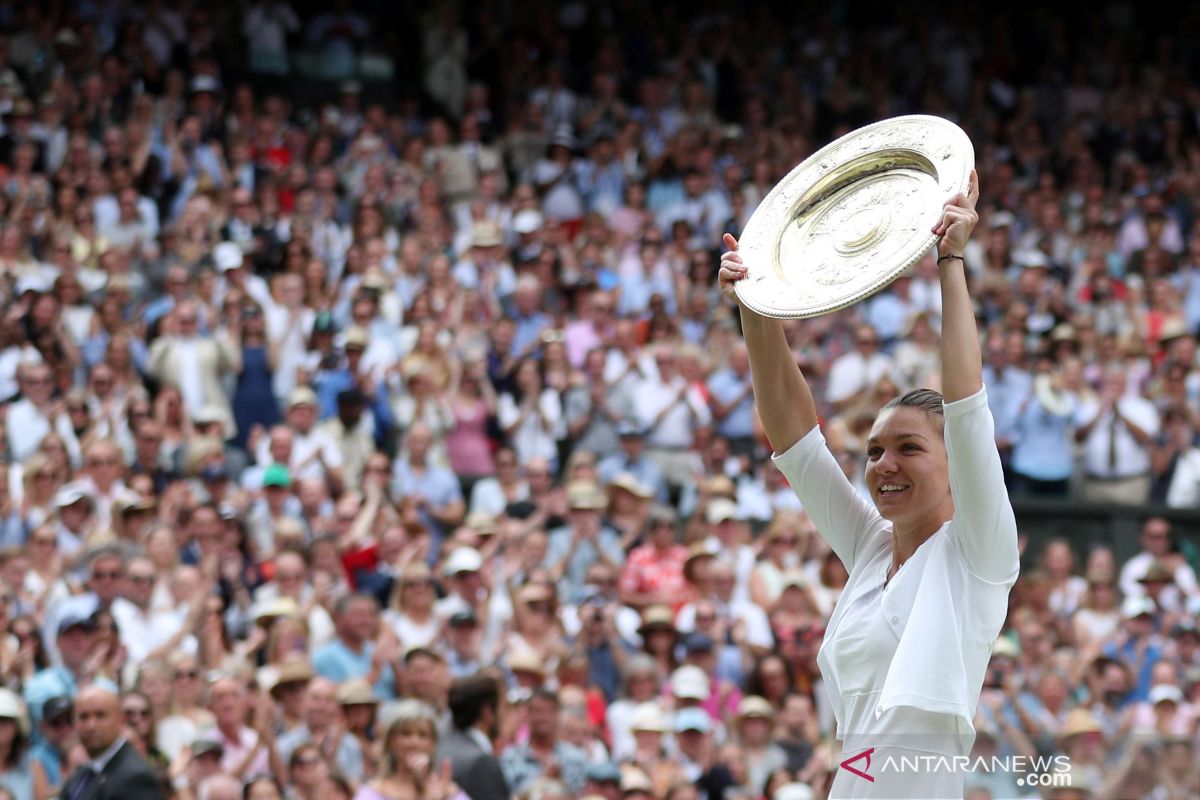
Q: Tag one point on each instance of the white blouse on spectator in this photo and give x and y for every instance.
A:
(942, 610)
(852, 373)
(1124, 458)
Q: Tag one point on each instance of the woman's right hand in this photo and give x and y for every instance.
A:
(732, 270)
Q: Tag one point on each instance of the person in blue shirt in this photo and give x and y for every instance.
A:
(353, 654)
(1043, 455)
(56, 730)
(1137, 645)
(76, 634)
(733, 401)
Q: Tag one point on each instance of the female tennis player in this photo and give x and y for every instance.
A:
(931, 562)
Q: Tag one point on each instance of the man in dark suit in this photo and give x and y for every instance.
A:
(114, 770)
(475, 709)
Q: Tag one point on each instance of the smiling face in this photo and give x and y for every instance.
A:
(907, 471)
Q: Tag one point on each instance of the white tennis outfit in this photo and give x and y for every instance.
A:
(904, 662)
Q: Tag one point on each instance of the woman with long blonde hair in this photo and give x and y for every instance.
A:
(40, 480)
(410, 771)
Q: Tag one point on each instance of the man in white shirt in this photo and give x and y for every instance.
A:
(1117, 431)
(145, 633)
(671, 409)
(855, 373)
(36, 414)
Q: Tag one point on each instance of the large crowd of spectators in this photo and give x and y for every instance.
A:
(345, 438)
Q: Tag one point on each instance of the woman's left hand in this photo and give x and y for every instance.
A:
(440, 784)
(958, 220)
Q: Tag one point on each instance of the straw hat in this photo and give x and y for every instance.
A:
(648, 717)
(754, 707)
(657, 617)
(1079, 721)
(629, 483)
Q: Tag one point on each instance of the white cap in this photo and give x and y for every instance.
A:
(71, 493)
(1031, 257)
(793, 791)
(1165, 692)
(1136, 605)
(527, 221)
(1001, 219)
(689, 682)
(227, 256)
(464, 559)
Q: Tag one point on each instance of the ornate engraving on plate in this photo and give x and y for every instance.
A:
(852, 217)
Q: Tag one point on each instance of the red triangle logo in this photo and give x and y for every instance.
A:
(848, 764)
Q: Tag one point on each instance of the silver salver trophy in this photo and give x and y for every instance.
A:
(852, 217)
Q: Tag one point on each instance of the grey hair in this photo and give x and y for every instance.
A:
(640, 662)
(408, 711)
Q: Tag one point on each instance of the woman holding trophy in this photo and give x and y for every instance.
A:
(931, 560)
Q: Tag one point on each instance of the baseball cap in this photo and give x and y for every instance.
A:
(464, 559)
(277, 475)
(630, 428)
(1137, 605)
(696, 642)
(74, 619)
(227, 256)
(793, 791)
(205, 746)
(1165, 694)
(689, 683)
(57, 707)
(527, 221)
(603, 772)
(215, 472)
(205, 83)
(71, 493)
(692, 719)
(463, 618)
(323, 322)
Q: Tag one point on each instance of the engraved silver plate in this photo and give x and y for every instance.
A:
(852, 217)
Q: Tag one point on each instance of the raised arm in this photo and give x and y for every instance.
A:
(962, 363)
(785, 403)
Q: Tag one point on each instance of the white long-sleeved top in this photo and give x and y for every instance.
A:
(949, 602)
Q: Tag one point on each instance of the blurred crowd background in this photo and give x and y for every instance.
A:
(368, 398)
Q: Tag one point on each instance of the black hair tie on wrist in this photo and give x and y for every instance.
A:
(950, 258)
